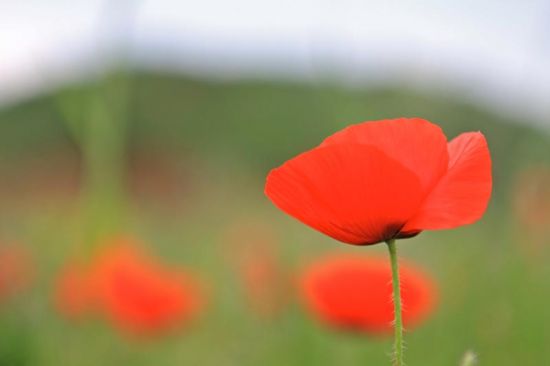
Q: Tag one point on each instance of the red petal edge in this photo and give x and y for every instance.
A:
(462, 195)
(419, 145)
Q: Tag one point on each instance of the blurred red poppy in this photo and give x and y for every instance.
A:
(531, 206)
(251, 248)
(16, 270)
(264, 283)
(128, 287)
(531, 198)
(140, 295)
(74, 294)
(383, 180)
(354, 292)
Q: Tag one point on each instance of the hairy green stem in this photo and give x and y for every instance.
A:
(398, 322)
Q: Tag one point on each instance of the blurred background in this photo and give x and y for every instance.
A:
(155, 123)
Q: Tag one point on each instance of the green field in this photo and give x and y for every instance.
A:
(192, 165)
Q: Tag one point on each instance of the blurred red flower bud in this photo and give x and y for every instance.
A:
(74, 294)
(531, 198)
(252, 251)
(16, 270)
(531, 207)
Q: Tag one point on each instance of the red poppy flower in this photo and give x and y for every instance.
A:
(141, 296)
(354, 292)
(74, 294)
(388, 179)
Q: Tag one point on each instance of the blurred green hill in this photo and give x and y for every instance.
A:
(259, 124)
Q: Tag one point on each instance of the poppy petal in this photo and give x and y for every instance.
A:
(354, 193)
(462, 195)
(416, 143)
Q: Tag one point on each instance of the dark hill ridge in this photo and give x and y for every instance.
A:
(260, 123)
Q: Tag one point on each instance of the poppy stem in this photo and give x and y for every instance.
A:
(398, 322)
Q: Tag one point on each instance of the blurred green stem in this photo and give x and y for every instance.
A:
(97, 119)
(104, 149)
(398, 323)
(104, 153)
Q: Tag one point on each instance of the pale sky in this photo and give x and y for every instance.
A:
(493, 52)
